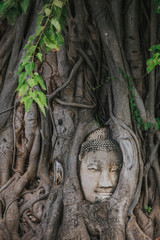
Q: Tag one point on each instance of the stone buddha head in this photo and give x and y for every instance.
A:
(101, 161)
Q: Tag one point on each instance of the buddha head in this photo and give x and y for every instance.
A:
(101, 161)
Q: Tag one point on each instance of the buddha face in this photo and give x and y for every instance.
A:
(99, 174)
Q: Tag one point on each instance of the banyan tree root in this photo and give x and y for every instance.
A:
(24, 134)
(6, 150)
(29, 207)
(134, 232)
(27, 143)
(51, 219)
(73, 223)
(145, 222)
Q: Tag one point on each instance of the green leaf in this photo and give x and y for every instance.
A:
(56, 12)
(139, 120)
(53, 37)
(33, 93)
(26, 99)
(39, 56)
(133, 107)
(39, 19)
(42, 98)
(49, 44)
(62, 21)
(146, 207)
(125, 76)
(44, 7)
(24, 5)
(56, 24)
(147, 125)
(146, 128)
(30, 50)
(30, 39)
(11, 3)
(22, 77)
(23, 89)
(29, 67)
(150, 68)
(20, 68)
(32, 82)
(131, 100)
(2, 6)
(158, 120)
(120, 70)
(47, 11)
(13, 14)
(156, 126)
(47, 49)
(60, 39)
(152, 62)
(40, 81)
(64, 11)
(26, 46)
(39, 29)
(28, 104)
(26, 60)
(154, 47)
(136, 113)
(59, 3)
(158, 10)
(51, 34)
(41, 106)
(130, 78)
(41, 42)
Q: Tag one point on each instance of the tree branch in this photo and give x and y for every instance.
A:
(86, 58)
(79, 105)
(73, 72)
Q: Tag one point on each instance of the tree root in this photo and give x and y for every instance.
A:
(80, 50)
(145, 223)
(74, 104)
(134, 232)
(30, 203)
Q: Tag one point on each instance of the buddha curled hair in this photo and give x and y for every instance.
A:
(102, 140)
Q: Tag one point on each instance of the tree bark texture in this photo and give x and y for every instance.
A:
(40, 191)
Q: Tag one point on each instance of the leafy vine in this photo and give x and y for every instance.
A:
(12, 9)
(135, 110)
(155, 59)
(50, 22)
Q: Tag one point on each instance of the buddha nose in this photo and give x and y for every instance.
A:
(105, 181)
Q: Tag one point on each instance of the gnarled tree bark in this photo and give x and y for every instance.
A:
(41, 195)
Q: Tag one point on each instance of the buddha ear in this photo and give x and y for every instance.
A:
(79, 158)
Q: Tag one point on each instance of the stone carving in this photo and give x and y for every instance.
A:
(101, 161)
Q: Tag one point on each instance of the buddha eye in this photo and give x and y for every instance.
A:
(114, 168)
(93, 167)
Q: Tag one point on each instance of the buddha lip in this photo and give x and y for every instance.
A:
(104, 193)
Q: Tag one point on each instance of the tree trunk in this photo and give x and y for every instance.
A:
(87, 82)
